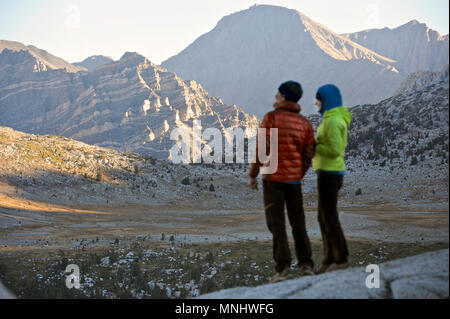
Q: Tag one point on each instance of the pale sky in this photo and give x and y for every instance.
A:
(159, 29)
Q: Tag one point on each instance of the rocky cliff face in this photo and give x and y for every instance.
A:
(250, 53)
(129, 105)
(42, 59)
(414, 45)
(419, 80)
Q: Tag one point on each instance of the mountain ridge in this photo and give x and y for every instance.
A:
(130, 104)
(43, 58)
(415, 45)
(94, 61)
(312, 54)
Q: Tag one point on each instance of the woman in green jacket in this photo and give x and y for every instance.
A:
(328, 162)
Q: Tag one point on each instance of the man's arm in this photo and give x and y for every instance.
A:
(308, 149)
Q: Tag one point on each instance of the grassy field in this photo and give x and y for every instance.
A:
(143, 269)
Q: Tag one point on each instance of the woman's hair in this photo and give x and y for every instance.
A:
(318, 97)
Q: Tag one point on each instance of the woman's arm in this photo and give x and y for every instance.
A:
(330, 144)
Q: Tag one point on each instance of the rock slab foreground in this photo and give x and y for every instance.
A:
(423, 276)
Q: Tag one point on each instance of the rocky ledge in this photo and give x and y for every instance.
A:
(423, 276)
(5, 293)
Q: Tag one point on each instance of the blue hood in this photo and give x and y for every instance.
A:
(330, 96)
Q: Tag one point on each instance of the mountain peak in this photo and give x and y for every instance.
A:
(47, 60)
(274, 8)
(263, 22)
(414, 24)
(284, 43)
(94, 61)
(261, 11)
(133, 58)
(97, 58)
(131, 55)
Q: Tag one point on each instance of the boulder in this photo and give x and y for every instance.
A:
(422, 276)
(5, 293)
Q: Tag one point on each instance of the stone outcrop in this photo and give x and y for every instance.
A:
(5, 293)
(421, 79)
(424, 276)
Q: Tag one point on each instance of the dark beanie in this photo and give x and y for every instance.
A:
(291, 91)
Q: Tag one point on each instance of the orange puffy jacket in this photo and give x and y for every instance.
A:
(295, 143)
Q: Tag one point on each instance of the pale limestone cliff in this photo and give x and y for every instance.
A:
(129, 105)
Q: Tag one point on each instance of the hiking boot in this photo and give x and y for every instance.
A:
(323, 268)
(280, 276)
(335, 266)
(306, 270)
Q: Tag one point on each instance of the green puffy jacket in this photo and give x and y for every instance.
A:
(331, 140)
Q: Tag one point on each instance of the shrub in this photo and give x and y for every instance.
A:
(194, 272)
(113, 257)
(209, 257)
(209, 285)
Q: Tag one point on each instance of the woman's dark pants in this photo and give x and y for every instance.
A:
(334, 244)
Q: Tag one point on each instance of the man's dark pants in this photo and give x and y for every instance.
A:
(334, 244)
(275, 196)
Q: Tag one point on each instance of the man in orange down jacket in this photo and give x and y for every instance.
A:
(295, 153)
